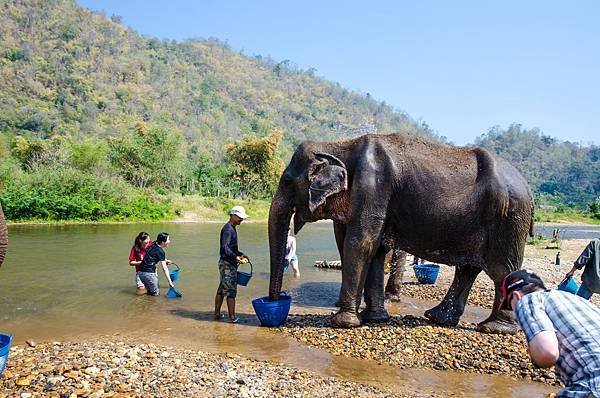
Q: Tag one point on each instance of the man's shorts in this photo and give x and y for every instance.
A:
(150, 281)
(228, 285)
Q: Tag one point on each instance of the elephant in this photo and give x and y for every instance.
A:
(3, 236)
(461, 206)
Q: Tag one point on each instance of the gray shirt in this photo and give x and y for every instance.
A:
(590, 259)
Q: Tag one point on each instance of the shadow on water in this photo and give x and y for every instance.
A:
(315, 294)
(208, 316)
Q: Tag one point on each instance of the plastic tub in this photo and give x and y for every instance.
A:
(272, 312)
(243, 277)
(569, 285)
(426, 273)
(5, 342)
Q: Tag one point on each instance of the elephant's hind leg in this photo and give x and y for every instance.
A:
(500, 321)
(449, 311)
(374, 297)
(392, 288)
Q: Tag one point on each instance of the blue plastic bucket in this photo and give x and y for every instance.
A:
(174, 273)
(243, 277)
(426, 273)
(172, 293)
(5, 342)
(569, 285)
(272, 312)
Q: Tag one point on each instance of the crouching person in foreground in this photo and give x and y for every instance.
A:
(562, 329)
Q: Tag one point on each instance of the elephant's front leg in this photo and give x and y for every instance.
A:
(360, 246)
(449, 311)
(374, 295)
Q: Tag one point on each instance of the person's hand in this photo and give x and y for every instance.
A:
(570, 273)
(169, 262)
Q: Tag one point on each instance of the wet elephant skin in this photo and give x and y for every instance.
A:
(459, 206)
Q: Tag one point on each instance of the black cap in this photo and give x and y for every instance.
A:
(515, 281)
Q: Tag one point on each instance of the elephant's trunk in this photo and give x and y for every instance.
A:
(280, 215)
(3, 236)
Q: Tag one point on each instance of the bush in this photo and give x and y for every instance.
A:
(595, 209)
(57, 194)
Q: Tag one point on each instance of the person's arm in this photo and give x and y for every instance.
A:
(571, 271)
(132, 261)
(542, 343)
(583, 259)
(543, 349)
(585, 256)
(166, 272)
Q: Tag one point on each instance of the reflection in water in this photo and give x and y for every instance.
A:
(74, 282)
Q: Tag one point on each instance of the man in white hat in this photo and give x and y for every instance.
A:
(230, 257)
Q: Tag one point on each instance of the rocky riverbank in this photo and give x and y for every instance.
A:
(537, 259)
(116, 369)
(412, 342)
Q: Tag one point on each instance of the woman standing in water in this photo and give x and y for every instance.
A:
(141, 243)
(291, 258)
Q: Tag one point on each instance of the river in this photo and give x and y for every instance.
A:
(73, 282)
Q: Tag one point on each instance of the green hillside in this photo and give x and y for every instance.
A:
(100, 123)
(68, 71)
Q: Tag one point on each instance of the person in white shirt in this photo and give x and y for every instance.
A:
(290, 255)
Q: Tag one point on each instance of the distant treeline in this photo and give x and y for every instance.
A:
(98, 122)
(562, 174)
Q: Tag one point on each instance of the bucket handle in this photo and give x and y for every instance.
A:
(172, 263)
(251, 267)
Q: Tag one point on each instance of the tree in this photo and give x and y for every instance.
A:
(257, 163)
(149, 156)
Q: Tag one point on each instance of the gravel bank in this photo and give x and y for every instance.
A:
(537, 259)
(412, 342)
(116, 369)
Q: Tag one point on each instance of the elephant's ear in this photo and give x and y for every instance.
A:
(327, 176)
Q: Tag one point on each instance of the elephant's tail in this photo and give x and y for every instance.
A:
(532, 218)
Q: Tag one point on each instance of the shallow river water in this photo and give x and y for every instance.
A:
(73, 282)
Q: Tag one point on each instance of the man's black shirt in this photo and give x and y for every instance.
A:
(229, 244)
(153, 256)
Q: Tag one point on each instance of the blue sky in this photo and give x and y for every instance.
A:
(461, 66)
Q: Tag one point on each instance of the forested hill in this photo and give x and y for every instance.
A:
(68, 71)
(561, 173)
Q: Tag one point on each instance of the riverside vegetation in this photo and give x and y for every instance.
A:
(99, 123)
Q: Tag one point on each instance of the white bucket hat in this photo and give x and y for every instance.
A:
(238, 211)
